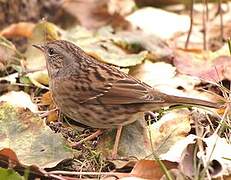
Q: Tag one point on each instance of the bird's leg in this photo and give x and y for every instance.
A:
(88, 138)
(117, 139)
(46, 113)
(145, 135)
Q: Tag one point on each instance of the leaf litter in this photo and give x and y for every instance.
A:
(164, 64)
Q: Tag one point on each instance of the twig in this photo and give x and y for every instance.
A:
(204, 19)
(56, 176)
(202, 151)
(86, 173)
(207, 10)
(92, 136)
(221, 20)
(191, 25)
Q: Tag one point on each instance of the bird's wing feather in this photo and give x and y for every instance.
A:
(118, 88)
(124, 91)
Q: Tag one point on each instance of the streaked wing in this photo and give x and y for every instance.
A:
(102, 84)
(124, 91)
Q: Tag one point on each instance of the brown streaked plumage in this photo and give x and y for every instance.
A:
(98, 95)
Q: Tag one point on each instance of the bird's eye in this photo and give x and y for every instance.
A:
(50, 51)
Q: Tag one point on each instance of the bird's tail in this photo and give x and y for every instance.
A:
(192, 101)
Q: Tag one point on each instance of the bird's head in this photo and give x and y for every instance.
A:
(59, 54)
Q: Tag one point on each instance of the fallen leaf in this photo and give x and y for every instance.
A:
(121, 7)
(8, 54)
(111, 54)
(28, 136)
(47, 99)
(42, 32)
(23, 29)
(204, 66)
(174, 154)
(175, 174)
(195, 42)
(188, 160)
(133, 135)
(94, 14)
(39, 78)
(136, 41)
(216, 154)
(150, 20)
(101, 46)
(9, 174)
(19, 99)
(9, 159)
(154, 74)
(219, 149)
(171, 128)
(149, 169)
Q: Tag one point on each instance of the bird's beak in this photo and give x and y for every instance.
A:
(38, 46)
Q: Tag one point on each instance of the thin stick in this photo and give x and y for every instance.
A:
(56, 176)
(207, 10)
(92, 136)
(191, 25)
(87, 173)
(221, 20)
(204, 25)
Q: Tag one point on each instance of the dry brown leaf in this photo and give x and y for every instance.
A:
(9, 55)
(171, 128)
(47, 99)
(9, 159)
(149, 169)
(94, 14)
(53, 116)
(23, 29)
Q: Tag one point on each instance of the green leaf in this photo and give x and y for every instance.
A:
(9, 174)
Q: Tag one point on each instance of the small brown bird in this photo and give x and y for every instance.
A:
(99, 95)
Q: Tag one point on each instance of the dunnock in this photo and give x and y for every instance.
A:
(99, 95)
